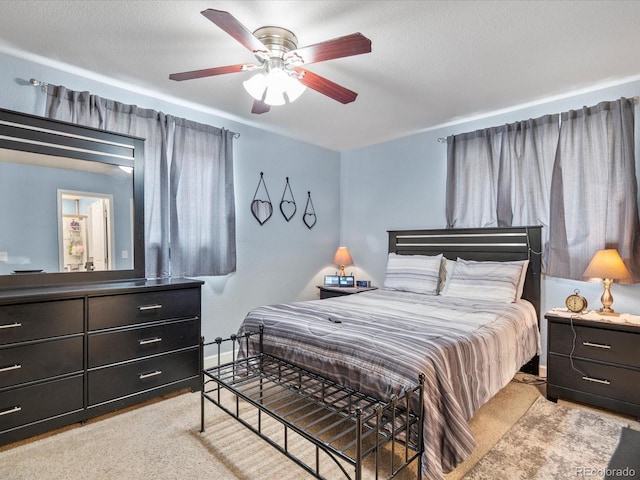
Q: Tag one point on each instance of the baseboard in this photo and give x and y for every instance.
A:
(542, 369)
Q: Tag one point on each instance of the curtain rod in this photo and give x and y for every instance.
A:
(44, 86)
(636, 99)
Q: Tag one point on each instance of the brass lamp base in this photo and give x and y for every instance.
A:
(607, 300)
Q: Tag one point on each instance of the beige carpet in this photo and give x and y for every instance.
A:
(161, 441)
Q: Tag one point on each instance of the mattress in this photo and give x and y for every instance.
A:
(379, 342)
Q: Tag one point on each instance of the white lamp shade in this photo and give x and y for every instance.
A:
(277, 83)
(294, 88)
(342, 257)
(607, 264)
(274, 96)
(256, 85)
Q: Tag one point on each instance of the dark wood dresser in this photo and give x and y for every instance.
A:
(69, 353)
(594, 362)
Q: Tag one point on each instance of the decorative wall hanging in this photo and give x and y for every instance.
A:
(288, 207)
(261, 208)
(309, 218)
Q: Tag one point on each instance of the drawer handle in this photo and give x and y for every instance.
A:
(597, 380)
(12, 367)
(144, 308)
(11, 410)
(11, 325)
(150, 340)
(149, 375)
(596, 345)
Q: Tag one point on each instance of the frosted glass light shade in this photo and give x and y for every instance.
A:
(294, 88)
(273, 87)
(256, 85)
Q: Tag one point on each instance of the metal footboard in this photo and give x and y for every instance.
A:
(345, 426)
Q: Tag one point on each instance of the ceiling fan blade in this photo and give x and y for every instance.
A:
(233, 27)
(260, 107)
(326, 87)
(354, 44)
(210, 72)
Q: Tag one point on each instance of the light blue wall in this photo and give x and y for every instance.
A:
(401, 184)
(279, 261)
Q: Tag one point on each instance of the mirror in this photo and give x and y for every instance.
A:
(71, 205)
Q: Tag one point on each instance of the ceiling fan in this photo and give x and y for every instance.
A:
(281, 77)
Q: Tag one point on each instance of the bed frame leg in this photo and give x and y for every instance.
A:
(201, 384)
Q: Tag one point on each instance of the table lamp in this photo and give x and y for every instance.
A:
(608, 266)
(342, 258)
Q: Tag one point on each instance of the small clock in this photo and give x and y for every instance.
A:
(576, 303)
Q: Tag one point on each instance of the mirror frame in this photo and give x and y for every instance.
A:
(30, 133)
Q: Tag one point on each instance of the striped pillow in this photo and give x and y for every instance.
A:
(413, 273)
(491, 281)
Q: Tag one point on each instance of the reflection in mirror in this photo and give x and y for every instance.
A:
(38, 232)
(86, 227)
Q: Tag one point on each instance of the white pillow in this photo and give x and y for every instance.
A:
(491, 281)
(446, 269)
(413, 273)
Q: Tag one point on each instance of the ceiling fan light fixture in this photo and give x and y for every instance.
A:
(294, 88)
(273, 86)
(256, 85)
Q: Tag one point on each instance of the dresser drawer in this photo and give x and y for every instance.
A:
(142, 341)
(128, 309)
(613, 346)
(29, 404)
(32, 321)
(127, 379)
(609, 381)
(40, 360)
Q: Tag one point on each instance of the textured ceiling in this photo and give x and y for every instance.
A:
(432, 62)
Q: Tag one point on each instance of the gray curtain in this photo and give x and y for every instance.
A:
(161, 133)
(473, 161)
(501, 176)
(202, 190)
(573, 174)
(594, 205)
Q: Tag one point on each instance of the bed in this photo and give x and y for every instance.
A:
(443, 315)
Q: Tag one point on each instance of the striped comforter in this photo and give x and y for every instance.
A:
(468, 350)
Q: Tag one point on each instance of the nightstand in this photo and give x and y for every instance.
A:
(601, 367)
(329, 292)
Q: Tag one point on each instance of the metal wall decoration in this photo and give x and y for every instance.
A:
(261, 208)
(309, 218)
(288, 207)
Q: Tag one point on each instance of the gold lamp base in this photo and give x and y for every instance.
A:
(607, 300)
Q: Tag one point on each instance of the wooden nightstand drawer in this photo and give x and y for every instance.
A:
(40, 360)
(32, 321)
(595, 343)
(142, 342)
(128, 309)
(608, 381)
(110, 383)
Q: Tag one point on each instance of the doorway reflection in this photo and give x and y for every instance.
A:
(85, 225)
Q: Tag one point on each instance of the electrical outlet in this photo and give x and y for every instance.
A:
(4, 256)
(125, 254)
